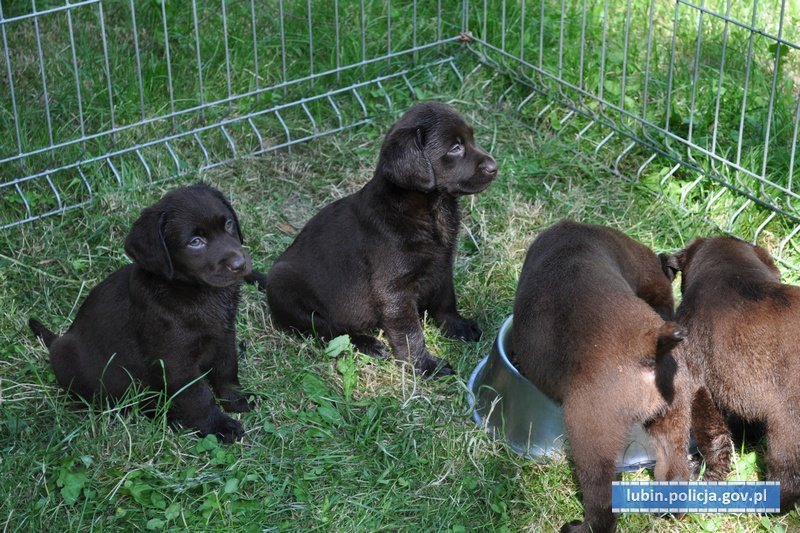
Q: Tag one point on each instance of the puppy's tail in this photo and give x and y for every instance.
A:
(42, 332)
(669, 336)
(666, 369)
(258, 279)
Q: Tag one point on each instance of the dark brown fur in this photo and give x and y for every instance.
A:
(744, 339)
(383, 256)
(592, 330)
(174, 306)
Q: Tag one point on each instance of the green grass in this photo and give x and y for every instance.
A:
(338, 441)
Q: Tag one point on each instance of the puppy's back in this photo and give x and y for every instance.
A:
(726, 274)
(578, 308)
(325, 265)
(743, 322)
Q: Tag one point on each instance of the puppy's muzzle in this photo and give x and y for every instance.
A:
(237, 264)
(489, 168)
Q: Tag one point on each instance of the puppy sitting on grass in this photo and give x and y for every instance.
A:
(383, 256)
(744, 340)
(593, 330)
(168, 318)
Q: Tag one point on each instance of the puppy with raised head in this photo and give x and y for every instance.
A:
(166, 319)
(383, 256)
(744, 339)
(593, 330)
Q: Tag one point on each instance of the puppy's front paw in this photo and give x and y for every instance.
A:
(236, 402)
(228, 430)
(462, 328)
(431, 367)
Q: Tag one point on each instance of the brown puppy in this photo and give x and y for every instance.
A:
(592, 331)
(168, 318)
(744, 328)
(383, 256)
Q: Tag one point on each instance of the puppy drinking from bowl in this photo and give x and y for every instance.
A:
(380, 258)
(167, 318)
(744, 340)
(593, 331)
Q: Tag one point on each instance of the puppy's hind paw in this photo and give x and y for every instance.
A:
(572, 527)
(236, 402)
(462, 329)
(606, 525)
(371, 346)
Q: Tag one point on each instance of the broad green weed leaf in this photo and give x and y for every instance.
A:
(338, 345)
(346, 366)
(315, 387)
(72, 483)
(231, 486)
(329, 413)
(155, 524)
(173, 511)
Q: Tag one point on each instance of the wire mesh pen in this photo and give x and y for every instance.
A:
(699, 101)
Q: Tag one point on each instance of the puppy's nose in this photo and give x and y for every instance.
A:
(236, 263)
(489, 167)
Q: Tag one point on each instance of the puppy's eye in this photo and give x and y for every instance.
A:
(457, 148)
(197, 242)
(229, 225)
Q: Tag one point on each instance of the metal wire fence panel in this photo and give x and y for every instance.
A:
(700, 99)
(122, 92)
(713, 85)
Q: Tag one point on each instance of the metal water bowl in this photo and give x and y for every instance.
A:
(514, 409)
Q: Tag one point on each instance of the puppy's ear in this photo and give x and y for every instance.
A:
(669, 264)
(145, 243)
(221, 198)
(765, 258)
(403, 161)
